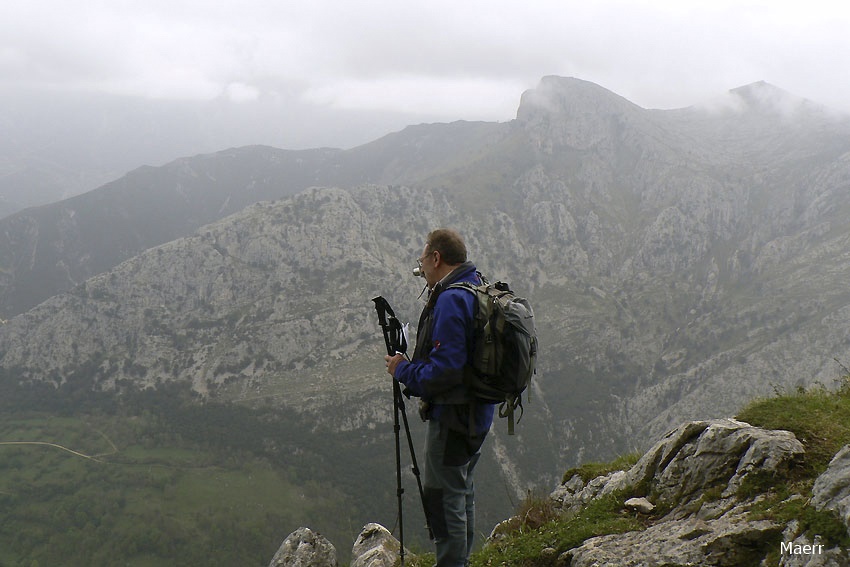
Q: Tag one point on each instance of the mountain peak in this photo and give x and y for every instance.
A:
(572, 113)
(564, 95)
(762, 96)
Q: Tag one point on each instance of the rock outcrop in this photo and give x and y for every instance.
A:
(305, 548)
(374, 547)
(700, 493)
(696, 456)
(832, 489)
(732, 541)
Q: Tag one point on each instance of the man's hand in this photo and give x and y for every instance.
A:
(392, 363)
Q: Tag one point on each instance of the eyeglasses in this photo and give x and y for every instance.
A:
(419, 260)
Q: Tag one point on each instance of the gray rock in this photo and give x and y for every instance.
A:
(832, 489)
(677, 471)
(706, 454)
(730, 542)
(695, 456)
(376, 547)
(574, 494)
(819, 557)
(641, 505)
(305, 548)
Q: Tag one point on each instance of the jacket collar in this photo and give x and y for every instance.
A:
(464, 272)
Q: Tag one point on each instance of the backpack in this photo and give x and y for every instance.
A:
(504, 348)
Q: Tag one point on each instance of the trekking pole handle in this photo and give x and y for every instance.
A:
(393, 335)
(381, 306)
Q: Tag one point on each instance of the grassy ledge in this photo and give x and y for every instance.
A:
(526, 546)
(820, 419)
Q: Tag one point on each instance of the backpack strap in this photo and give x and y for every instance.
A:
(508, 409)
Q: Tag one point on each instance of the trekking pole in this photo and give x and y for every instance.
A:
(397, 344)
(391, 329)
(415, 465)
(399, 488)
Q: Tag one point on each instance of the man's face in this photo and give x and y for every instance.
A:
(427, 264)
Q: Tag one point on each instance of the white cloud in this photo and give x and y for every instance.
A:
(473, 99)
(454, 60)
(240, 92)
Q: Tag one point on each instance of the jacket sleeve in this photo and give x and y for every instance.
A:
(443, 369)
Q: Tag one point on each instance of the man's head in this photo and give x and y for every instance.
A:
(444, 251)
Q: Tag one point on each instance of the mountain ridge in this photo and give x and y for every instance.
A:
(680, 263)
(405, 157)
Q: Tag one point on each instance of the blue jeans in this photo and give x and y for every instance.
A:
(450, 460)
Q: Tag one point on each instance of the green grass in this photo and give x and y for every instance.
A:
(174, 482)
(589, 471)
(146, 500)
(525, 547)
(156, 497)
(819, 418)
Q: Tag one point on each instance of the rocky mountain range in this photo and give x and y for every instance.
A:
(49, 249)
(680, 263)
(55, 146)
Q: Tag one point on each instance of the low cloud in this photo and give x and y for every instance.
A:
(442, 59)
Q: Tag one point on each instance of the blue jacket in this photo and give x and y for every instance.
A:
(444, 342)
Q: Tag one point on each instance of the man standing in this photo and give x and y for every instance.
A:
(457, 423)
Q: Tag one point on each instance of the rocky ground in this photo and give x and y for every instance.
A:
(702, 497)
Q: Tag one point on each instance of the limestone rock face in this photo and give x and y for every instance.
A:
(726, 542)
(695, 460)
(690, 459)
(833, 557)
(703, 454)
(305, 548)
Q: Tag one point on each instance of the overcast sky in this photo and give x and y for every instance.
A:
(431, 61)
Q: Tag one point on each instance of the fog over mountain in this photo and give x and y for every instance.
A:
(57, 146)
(680, 263)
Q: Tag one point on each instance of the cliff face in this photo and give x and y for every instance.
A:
(50, 249)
